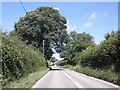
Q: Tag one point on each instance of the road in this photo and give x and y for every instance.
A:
(70, 79)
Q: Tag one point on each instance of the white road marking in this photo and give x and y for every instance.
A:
(38, 82)
(100, 80)
(73, 81)
(116, 86)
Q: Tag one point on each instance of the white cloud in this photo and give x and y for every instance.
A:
(96, 15)
(93, 16)
(68, 27)
(72, 28)
(68, 22)
(57, 8)
(87, 25)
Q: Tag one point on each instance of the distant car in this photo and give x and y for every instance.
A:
(54, 68)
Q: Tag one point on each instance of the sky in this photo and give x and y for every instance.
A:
(61, 0)
(95, 18)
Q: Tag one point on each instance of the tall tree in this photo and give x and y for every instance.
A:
(44, 23)
(77, 43)
(80, 41)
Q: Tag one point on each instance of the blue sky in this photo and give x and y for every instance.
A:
(94, 18)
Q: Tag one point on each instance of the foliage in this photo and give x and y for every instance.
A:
(77, 43)
(104, 55)
(0, 60)
(44, 23)
(101, 61)
(62, 62)
(18, 59)
(0, 53)
(53, 60)
(27, 81)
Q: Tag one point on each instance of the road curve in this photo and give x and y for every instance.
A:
(70, 79)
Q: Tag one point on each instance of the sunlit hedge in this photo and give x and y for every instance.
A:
(101, 61)
(104, 55)
(19, 59)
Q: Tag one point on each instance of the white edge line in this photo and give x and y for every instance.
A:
(116, 86)
(74, 82)
(36, 84)
(97, 79)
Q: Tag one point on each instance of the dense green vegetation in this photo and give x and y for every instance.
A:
(44, 23)
(23, 47)
(104, 74)
(0, 60)
(19, 59)
(77, 43)
(53, 60)
(103, 57)
(28, 80)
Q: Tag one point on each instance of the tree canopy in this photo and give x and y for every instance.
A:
(44, 23)
(106, 55)
(77, 43)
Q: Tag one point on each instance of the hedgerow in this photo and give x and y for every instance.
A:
(18, 59)
(104, 57)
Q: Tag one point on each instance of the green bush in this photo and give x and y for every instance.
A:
(103, 56)
(101, 61)
(19, 59)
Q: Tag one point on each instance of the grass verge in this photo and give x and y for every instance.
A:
(106, 75)
(27, 81)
